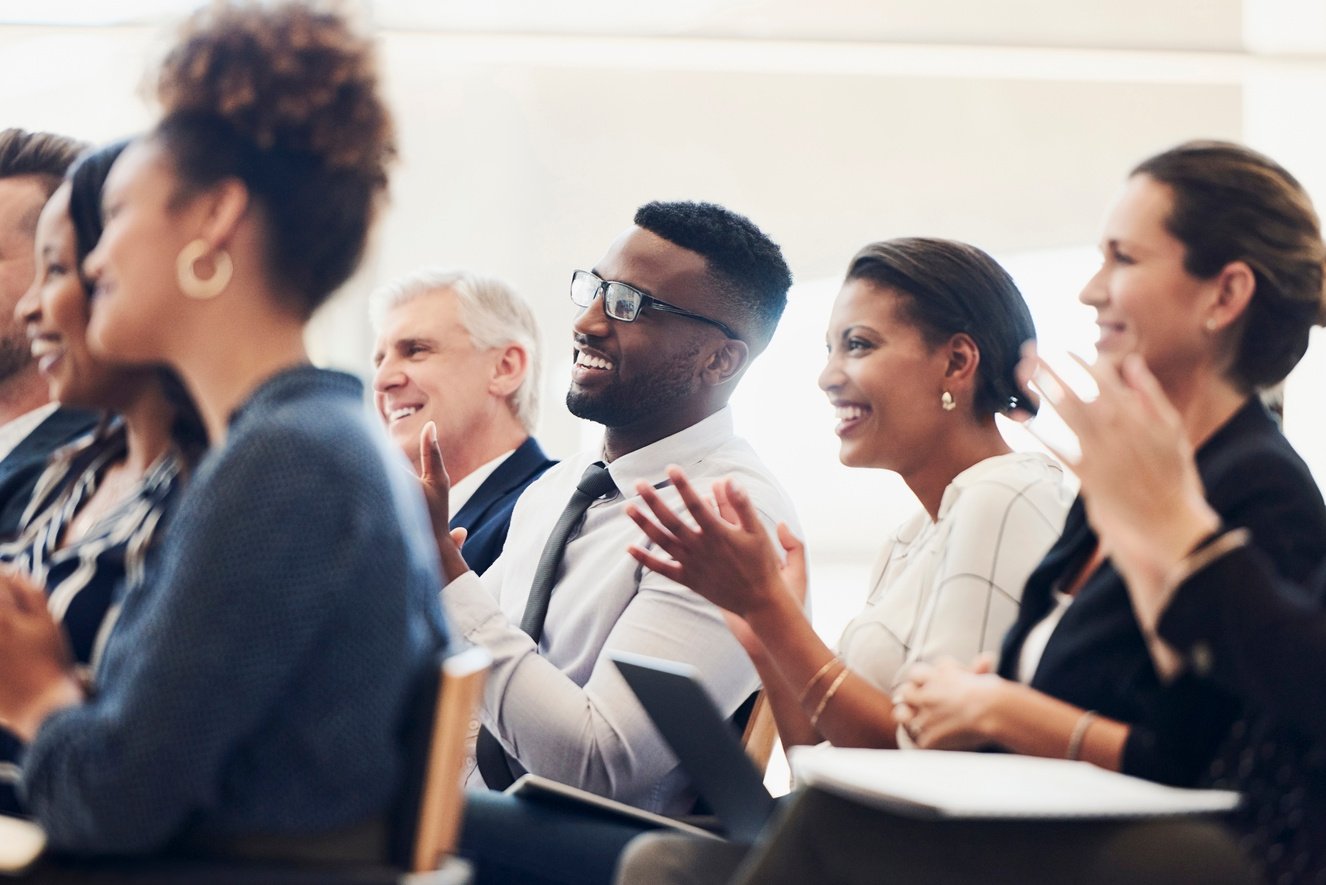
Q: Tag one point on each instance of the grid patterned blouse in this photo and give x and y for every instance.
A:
(951, 586)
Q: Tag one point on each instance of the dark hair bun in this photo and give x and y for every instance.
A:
(290, 77)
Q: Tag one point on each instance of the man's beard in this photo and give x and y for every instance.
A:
(15, 355)
(628, 402)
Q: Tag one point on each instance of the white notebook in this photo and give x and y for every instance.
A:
(21, 843)
(944, 784)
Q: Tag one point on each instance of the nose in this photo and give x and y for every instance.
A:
(28, 307)
(592, 321)
(1095, 293)
(387, 376)
(831, 376)
(94, 262)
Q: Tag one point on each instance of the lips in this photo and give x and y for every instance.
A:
(590, 367)
(849, 415)
(400, 412)
(47, 351)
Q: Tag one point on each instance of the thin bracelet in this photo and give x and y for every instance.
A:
(1079, 733)
(828, 695)
(819, 674)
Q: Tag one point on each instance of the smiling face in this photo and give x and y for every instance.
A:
(1145, 301)
(428, 369)
(54, 312)
(136, 297)
(645, 376)
(884, 380)
(21, 198)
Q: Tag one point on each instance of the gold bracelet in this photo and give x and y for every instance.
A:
(828, 695)
(1079, 733)
(819, 674)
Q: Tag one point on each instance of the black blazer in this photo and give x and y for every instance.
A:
(1097, 658)
(20, 469)
(487, 514)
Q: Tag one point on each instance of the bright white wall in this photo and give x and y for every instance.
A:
(530, 131)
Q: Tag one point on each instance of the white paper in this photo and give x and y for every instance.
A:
(21, 842)
(937, 783)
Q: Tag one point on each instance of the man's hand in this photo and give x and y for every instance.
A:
(437, 493)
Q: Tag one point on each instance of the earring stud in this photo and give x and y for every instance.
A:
(946, 402)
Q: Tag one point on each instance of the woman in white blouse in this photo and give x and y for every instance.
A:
(922, 342)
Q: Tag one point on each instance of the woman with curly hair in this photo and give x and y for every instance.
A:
(251, 695)
(89, 524)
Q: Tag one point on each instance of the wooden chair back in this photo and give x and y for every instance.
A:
(760, 733)
(442, 801)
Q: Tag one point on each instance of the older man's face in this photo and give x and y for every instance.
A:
(21, 200)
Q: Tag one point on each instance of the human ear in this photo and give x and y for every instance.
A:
(509, 370)
(964, 358)
(726, 363)
(222, 207)
(1235, 285)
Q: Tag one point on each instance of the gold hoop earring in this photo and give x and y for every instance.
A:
(194, 286)
(946, 402)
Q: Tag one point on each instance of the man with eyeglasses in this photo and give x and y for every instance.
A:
(669, 320)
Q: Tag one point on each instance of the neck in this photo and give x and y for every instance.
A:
(1205, 400)
(21, 393)
(481, 446)
(963, 447)
(618, 441)
(147, 423)
(222, 376)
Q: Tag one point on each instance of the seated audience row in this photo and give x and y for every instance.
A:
(187, 662)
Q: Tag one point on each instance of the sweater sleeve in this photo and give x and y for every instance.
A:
(202, 654)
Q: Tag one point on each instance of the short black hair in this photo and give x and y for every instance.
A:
(745, 264)
(949, 287)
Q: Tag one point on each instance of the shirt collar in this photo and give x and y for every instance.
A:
(463, 490)
(684, 448)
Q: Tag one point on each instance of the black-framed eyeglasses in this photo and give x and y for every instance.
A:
(624, 303)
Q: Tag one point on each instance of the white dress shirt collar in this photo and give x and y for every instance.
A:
(684, 447)
(14, 431)
(462, 491)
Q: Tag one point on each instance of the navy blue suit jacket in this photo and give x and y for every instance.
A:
(487, 514)
(20, 469)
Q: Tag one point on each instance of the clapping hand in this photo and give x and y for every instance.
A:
(728, 557)
(1141, 487)
(37, 667)
(437, 494)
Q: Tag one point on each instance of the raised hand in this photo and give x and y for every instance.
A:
(34, 658)
(436, 485)
(728, 557)
(1142, 491)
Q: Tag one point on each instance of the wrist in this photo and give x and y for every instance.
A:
(766, 607)
(60, 693)
(992, 720)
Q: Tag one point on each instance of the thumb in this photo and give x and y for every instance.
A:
(430, 453)
(458, 536)
(983, 663)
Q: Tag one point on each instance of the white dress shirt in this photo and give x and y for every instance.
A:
(561, 708)
(464, 489)
(16, 430)
(952, 586)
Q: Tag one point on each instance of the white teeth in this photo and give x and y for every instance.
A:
(848, 413)
(592, 362)
(403, 412)
(41, 346)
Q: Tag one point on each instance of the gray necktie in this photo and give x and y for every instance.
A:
(497, 768)
(594, 484)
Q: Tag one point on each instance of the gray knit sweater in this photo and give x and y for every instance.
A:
(256, 684)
